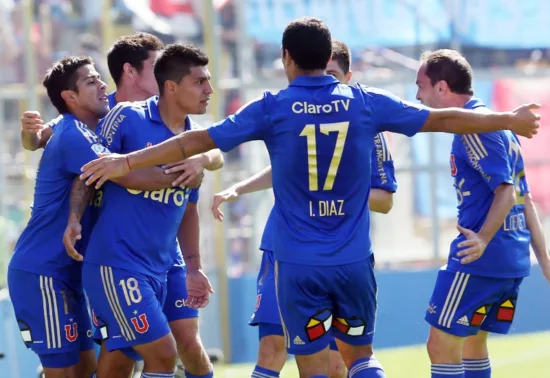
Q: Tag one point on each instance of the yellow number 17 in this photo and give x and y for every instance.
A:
(309, 132)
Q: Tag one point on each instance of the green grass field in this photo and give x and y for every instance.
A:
(524, 356)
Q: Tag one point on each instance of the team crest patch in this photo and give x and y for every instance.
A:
(352, 327)
(319, 324)
(99, 149)
(506, 311)
(479, 316)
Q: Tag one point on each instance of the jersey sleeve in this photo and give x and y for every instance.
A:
(115, 124)
(80, 145)
(194, 196)
(487, 154)
(390, 113)
(248, 123)
(383, 172)
(53, 123)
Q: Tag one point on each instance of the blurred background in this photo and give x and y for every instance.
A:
(506, 42)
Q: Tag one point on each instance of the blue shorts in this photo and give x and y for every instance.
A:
(318, 302)
(127, 306)
(267, 310)
(53, 317)
(174, 306)
(462, 304)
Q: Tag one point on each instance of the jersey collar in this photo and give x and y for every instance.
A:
(314, 81)
(154, 112)
(112, 99)
(474, 103)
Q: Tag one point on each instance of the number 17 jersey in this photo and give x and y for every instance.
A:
(319, 135)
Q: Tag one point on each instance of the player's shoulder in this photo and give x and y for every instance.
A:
(128, 109)
(71, 129)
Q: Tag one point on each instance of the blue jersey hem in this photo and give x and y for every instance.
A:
(474, 271)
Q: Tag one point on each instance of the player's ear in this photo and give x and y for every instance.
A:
(170, 86)
(442, 87)
(129, 69)
(348, 77)
(68, 96)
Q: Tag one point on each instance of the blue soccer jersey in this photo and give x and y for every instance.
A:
(479, 164)
(40, 247)
(383, 172)
(136, 230)
(319, 135)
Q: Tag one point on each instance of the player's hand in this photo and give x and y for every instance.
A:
(73, 232)
(525, 122)
(192, 171)
(474, 244)
(228, 195)
(108, 166)
(198, 289)
(31, 122)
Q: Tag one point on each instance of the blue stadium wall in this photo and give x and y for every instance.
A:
(403, 299)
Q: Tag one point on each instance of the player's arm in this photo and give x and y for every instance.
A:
(198, 285)
(147, 179)
(538, 240)
(255, 183)
(390, 113)
(383, 182)
(249, 123)
(487, 153)
(213, 160)
(34, 133)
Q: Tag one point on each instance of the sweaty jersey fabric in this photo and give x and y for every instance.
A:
(40, 247)
(136, 230)
(319, 134)
(479, 164)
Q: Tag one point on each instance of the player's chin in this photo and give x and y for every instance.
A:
(102, 110)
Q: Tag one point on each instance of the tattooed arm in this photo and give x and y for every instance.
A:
(80, 197)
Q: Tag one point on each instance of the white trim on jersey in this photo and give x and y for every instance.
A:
(453, 299)
(51, 315)
(285, 330)
(112, 297)
(475, 145)
(110, 120)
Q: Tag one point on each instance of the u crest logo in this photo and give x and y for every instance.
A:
(71, 332)
(144, 326)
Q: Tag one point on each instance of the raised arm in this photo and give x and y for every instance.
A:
(249, 123)
(521, 121)
(34, 133)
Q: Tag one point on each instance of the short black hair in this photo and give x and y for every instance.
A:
(63, 76)
(451, 67)
(341, 55)
(309, 43)
(176, 61)
(133, 49)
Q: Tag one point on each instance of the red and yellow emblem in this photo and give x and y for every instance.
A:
(478, 316)
(318, 325)
(506, 311)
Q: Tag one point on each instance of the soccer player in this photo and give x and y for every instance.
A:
(44, 283)
(272, 352)
(130, 62)
(476, 291)
(319, 134)
(132, 245)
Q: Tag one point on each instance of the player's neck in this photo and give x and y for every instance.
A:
(130, 93)
(308, 73)
(172, 116)
(459, 101)
(86, 117)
